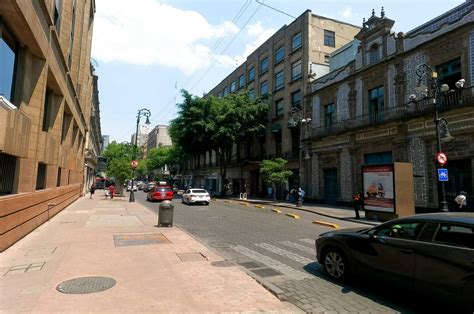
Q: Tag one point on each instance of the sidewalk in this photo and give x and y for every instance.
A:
(336, 212)
(154, 269)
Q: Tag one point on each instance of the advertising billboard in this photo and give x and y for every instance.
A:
(379, 192)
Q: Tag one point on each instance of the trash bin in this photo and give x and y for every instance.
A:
(165, 214)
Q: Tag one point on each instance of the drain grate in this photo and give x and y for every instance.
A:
(84, 285)
(223, 264)
(140, 239)
(265, 272)
(249, 265)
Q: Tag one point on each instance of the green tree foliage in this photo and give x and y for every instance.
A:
(118, 166)
(215, 124)
(273, 172)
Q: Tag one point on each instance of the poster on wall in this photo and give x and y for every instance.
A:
(378, 188)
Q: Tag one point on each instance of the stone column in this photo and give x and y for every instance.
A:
(346, 175)
(315, 174)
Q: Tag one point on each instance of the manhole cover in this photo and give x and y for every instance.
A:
(222, 244)
(223, 264)
(85, 285)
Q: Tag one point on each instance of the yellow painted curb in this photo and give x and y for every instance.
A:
(245, 204)
(276, 211)
(295, 216)
(327, 224)
(259, 206)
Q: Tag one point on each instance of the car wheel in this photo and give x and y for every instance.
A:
(335, 264)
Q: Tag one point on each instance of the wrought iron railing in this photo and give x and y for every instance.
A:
(452, 99)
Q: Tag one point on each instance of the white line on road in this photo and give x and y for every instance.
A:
(300, 247)
(310, 241)
(270, 262)
(295, 257)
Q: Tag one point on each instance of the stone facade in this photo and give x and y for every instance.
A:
(48, 111)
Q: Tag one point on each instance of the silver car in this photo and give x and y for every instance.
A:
(194, 196)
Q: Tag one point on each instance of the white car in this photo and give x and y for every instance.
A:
(193, 196)
(129, 188)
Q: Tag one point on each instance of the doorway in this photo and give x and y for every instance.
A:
(460, 179)
(330, 186)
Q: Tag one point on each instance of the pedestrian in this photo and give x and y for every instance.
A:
(286, 195)
(92, 190)
(301, 194)
(461, 200)
(112, 190)
(270, 192)
(358, 202)
(293, 195)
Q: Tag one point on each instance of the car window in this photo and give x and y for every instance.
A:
(457, 235)
(187, 192)
(407, 230)
(200, 191)
(427, 233)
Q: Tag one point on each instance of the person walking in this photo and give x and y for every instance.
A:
(461, 200)
(112, 190)
(358, 203)
(301, 194)
(92, 190)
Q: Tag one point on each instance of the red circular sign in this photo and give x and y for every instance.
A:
(134, 164)
(441, 158)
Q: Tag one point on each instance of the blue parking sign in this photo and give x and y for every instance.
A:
(443, 175)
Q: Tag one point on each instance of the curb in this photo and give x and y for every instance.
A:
(327, 224)
(259, 206)
(276, 210)
(295, 216)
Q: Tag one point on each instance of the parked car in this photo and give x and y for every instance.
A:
(193, 196)
(129, 188)
(428, 253)
(148, 187)
(160, 193)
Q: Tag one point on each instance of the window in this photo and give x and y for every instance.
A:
(241, 81)
(67, 118)
(296, 42)
(8, 57)
(407, 230)
(279, 107)
(219, 94)
(226, 91)
(57, 14)
(279, 80)
(251, 74)
(329, 38)
(280, 55)
(264, 65)
(376, 104)
(326, 58)
(374, 54)
(7, 173)
(233, 87)
(296, 70)
(456, 235)
(329, 115)
(47, 110)
(264, 88)
(296, 99)
(252, 94)
(449, 72)
(71, 35)
(41, 176)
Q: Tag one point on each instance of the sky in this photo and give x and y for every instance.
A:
(146, 51)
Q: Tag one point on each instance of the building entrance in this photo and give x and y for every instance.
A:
(330, 185)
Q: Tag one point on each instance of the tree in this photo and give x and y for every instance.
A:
(216, 124)
(119, 157)
(158, 158)
(273, 171)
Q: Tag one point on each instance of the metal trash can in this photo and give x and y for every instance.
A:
(165, 214)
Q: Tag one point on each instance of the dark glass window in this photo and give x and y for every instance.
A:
(279, 107)
(252, 94)
(57, 14)
(8, 59)
(251, 74)
(7, 173)
(233, 87)
(226, 91)
(374, 54)
(58, 178)
(280, 54)
(47, 110)
(296, 99)
(67, 118)
(241, 81)
(449, 72)
(329, 38)
(378, 158)
(219, 94)
(264, 65)
(296, 70)
(71, 35)
(407, 230)
(279, 80)
(329, 115)
(376, 104)
(456, 235)
(41, 176)
(296, 42)
(264, 88)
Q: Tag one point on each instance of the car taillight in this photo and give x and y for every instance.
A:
(169, 193)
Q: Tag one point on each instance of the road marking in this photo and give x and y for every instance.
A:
(327, 224)
(310, 241)
(299, 247)
(270, 262)
(259, 206)
(295, 216)
(276, 210)
(290, 255)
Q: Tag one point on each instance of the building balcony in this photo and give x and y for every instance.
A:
(448, 101)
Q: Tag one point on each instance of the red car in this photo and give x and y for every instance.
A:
(160, 193)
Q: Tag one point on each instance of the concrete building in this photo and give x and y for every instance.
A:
(158, 137)
(281, 68)
(46, 110)
(142, 139)
(105, 142)
(363, 112)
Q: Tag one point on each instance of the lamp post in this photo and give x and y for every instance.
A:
(145, 113)
(425, 71)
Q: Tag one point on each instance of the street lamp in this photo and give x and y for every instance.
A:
(432, 92)
(145, 113)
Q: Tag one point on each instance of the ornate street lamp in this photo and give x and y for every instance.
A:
(145, 113)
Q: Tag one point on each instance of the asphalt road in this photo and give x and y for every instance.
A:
(279, 252)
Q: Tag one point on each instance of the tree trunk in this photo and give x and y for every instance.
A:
(221, 156)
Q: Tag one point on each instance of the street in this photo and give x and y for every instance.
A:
(279, 252)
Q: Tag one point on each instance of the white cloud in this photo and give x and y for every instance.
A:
(260, 35)
(154, 33)
(347, 12)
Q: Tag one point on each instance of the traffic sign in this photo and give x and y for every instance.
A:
(443, 175)
(441, 158)
(134, 164)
